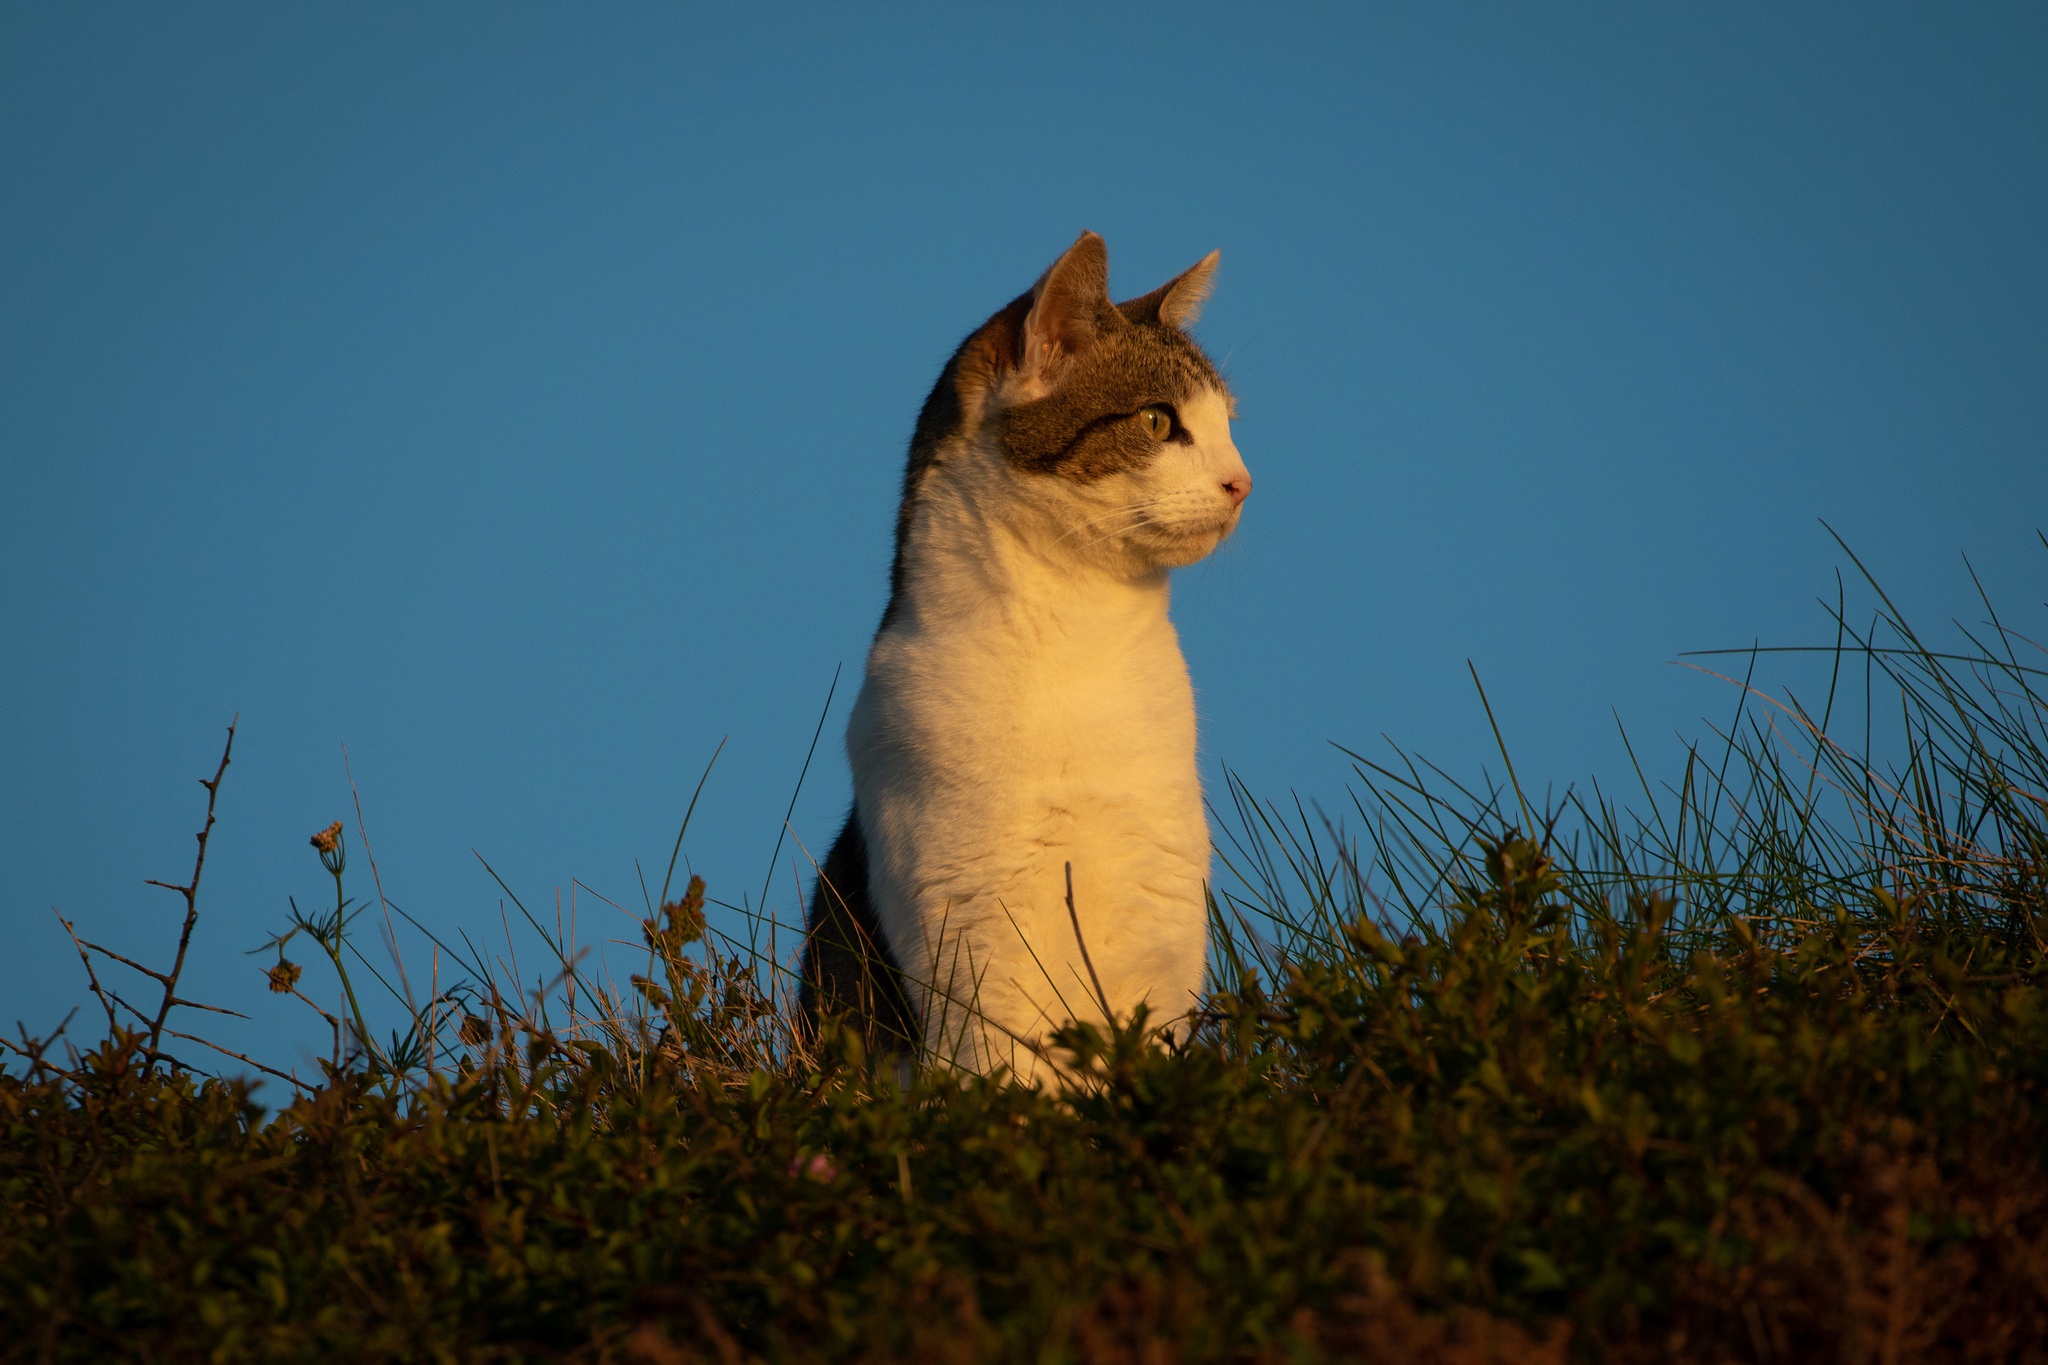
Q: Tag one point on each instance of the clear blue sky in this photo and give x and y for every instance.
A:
(517, 394)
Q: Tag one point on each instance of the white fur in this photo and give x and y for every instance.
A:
(1026, 707)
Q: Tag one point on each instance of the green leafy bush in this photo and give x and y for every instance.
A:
(1756, 1073)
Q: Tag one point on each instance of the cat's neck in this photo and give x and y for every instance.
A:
(979, 561)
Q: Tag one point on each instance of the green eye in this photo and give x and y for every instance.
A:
(1157, 421)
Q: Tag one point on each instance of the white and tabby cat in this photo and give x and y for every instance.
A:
(1026, 704)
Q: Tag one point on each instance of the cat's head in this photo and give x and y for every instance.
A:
(1103, 421)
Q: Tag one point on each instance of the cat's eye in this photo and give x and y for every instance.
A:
(1157, 421)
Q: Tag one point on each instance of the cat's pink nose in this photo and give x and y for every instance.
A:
(1238, 487)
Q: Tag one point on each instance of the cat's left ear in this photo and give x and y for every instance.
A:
(1178, 302)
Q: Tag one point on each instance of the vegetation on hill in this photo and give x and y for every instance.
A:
(1754, 1073)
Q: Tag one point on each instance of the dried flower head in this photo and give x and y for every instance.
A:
(283, 976)
(686, 916)
(328, 844)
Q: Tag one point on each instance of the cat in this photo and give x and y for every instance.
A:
(1026, 708)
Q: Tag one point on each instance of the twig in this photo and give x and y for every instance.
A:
(803, 772)
(362, 831)
(688, 811)
(216, 1009)
(140, 1017)
(225, 1052)
(1502, 745)
(333, 1021)
(150, 972)
(433, 999)
(32, 1049)
(190, 891)
(92, 977)
(1075, 917)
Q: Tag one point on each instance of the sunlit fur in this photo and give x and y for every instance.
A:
(1026, 706)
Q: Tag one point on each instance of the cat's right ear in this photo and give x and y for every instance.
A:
(1069, 308)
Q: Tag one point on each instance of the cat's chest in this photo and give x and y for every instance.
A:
(1039, 704)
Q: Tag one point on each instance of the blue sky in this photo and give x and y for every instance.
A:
(517, 394)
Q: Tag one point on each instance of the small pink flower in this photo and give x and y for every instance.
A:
(818, 1167)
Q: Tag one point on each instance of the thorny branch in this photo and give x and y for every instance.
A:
(190, 891)
(108, 998)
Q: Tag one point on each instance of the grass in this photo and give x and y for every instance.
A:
(1749, 1066)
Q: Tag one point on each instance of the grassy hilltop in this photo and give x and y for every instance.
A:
(1751, 1069)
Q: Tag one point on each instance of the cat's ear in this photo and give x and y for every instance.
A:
(1178, 302)
(1070, 307)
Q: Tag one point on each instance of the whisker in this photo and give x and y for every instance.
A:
(1132, 516)
(1093, 522)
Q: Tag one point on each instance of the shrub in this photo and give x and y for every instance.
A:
(1755, 1073)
